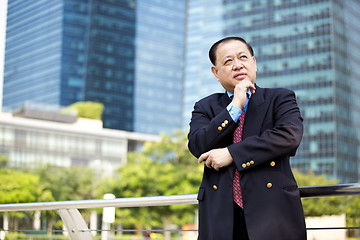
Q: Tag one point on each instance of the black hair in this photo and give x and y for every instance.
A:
(212, 51)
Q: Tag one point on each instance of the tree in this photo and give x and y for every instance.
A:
(75, 183)
(170, 148)
(45, 184)
(21, 187)
(322, 205)
(92, 110)
(162, 168)
(352, 211)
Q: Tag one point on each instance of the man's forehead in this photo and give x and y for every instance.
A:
(230, 48)
(233, 45)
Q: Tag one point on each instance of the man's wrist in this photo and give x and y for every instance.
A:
(236, 103)
(234, 112)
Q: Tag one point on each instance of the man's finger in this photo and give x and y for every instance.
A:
(208, 163)
(252, 88)
(202, 158)
(214, 166)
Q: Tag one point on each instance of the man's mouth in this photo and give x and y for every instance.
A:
(240, 76)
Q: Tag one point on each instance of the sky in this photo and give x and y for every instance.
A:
(3, 13)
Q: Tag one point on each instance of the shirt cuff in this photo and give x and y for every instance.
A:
(234, 112)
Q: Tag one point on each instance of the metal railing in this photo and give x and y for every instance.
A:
(78, 230)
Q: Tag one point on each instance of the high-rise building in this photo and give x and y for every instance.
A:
(160, 37)
(3, 14)
(204, 27)
(310, 47)
(125, 54)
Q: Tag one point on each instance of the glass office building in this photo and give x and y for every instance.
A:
(204, 27)
(160, 36)
(109, 57)
(33, 53)
(119, 53)
(311, 47)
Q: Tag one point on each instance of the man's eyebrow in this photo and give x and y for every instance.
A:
(229, 56)
(226, 57)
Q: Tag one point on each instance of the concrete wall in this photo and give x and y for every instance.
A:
(326, 222)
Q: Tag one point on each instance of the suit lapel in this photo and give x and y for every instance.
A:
(225, 100)
(255, 114)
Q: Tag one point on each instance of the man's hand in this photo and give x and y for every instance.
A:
(240, 90)
(216, 158)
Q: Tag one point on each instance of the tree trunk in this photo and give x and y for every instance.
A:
(50, 225)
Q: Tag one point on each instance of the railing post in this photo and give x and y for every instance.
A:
(75, 224)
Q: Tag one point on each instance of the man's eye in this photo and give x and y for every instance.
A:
(243, 56)
(227, 62)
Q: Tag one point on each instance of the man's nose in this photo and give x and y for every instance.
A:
(237, 64)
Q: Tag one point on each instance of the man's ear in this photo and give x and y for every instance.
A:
(215, 72)
(255, 63)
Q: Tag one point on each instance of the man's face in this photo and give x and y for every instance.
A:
(234, 64)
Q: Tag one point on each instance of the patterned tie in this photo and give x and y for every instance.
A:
(236, 182)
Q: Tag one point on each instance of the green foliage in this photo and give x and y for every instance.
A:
(64, 183)
(75, 183)
(352, 210)
(92, 110)
(322, 205)
(21, 187)
(3, 161)
(44, 185)
(162, 168)
(171, 148)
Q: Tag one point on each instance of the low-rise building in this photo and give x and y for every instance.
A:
(64, 140)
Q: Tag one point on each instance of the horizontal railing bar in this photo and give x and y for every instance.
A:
(34, 231)
(330, 190)
(305, 192)
(169, 230)
(333, 228)
(101, 203)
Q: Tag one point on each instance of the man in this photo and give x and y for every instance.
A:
(245, 137)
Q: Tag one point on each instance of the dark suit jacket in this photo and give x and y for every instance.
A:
(272, 133)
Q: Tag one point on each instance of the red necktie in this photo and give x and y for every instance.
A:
(236, 181)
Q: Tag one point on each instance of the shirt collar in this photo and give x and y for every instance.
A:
(231, 95)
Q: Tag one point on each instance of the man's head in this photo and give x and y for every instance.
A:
(233, 61)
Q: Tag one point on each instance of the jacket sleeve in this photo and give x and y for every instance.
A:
(209, 130)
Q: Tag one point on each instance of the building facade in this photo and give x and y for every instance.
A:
(108, 51)
(160, 37)
(205, 26)
(64, 140)
(311, 48)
